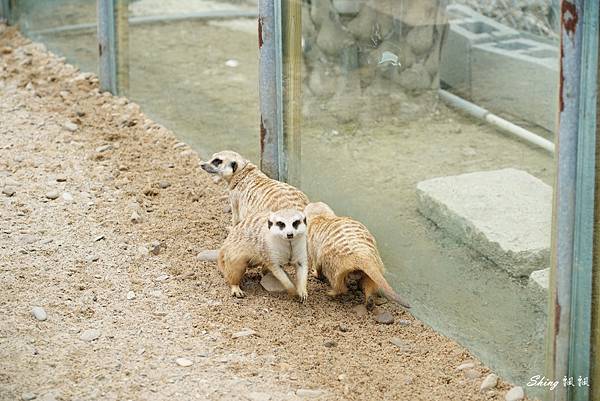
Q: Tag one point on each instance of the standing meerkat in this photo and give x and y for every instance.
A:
(271, 240)
(339, 246)
(250, 190)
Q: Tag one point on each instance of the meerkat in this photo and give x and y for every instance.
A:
(340, 246)
(250, 190)
(271, 240)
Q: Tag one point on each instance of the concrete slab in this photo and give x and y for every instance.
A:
(506, 215)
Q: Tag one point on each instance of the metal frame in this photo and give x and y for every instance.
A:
(272, 148)
(113, 50)
(568, 346)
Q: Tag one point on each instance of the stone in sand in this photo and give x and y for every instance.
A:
(515, 394)
(39, 313)
(244, 333)
(90, 335)
(384, 317)
(70, 126)
(489, 382)
(52, 195)
(184, 362)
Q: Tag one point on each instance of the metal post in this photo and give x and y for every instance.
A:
(270, 88)
(112, 45)
(568, 353)
(5, 10)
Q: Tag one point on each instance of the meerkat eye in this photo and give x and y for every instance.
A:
(281, 225)
(296, 223)
(304, 221)
(233, 166)
(216, 162)
(269, 223)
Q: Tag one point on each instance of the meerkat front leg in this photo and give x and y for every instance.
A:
(235, 212)
(301, 280)
(283, 278)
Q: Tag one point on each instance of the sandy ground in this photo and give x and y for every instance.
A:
(67, 244)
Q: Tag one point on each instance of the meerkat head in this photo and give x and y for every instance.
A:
(224, 164)
(317, 208)
(287, 224)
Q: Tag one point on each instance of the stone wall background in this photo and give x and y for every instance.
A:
(369, 41)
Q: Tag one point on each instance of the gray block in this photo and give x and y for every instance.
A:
(467, 28)
(503, 214)
(519, 77)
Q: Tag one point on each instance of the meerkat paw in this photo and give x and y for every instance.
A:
(237, 292)
(303, 295)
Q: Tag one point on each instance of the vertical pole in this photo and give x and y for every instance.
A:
(271, 88)
(5, 10)
(292, 88)
(113, 45)
(595, 373)
(568, 352)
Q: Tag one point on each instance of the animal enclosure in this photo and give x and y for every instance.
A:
(432, 122)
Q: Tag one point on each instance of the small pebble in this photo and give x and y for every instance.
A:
(155, 247)
(135, 217)
(67, 197)
(130, 295)
(515, 394)
(179, 145)
(384, 318)
(162, 277)
(360, 310)
(98, 238)
(208, 255)
(244, 333)
(103, 148)
(232, 63)
(330, 344)
(404, 322)
(467, 365)
(404, 346)
(28, 396)
(90, 335)
(52, 195)
(164, 184)
(184, 362)
(309, 393)
(39, 313)
(489, 382)
(8, 191)
(343, 327)
(92, 258)
(61, 178)
(70, 126)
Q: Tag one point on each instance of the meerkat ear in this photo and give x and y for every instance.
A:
(234, 166)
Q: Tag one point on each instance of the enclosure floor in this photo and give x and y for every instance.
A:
(79, 258)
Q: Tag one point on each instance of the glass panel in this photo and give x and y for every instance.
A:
(198, 75)
(66, 27)
(375, 126)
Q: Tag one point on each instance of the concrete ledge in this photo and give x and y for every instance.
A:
(505, 215)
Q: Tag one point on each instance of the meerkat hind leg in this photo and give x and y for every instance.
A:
(369, 288)
(233, 272)
(338, 286)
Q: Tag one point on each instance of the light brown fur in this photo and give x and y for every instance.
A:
(250, 190)
(339, 246)
(256, 241)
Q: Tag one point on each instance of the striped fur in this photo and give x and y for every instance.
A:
(339, 246)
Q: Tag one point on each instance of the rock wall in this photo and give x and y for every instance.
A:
(398, 41)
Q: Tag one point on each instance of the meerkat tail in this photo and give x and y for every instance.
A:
(384, 287)
(208, 255)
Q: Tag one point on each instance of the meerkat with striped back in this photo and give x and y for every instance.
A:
(340, 246)
(271, 240)
(250, 190)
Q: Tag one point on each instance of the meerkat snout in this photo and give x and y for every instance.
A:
(224, 164)
(287, 224)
